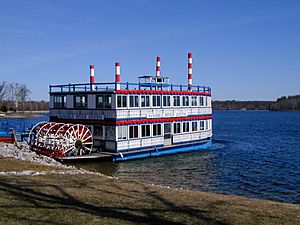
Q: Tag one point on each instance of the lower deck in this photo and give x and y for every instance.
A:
(143, 136)
(167, 150)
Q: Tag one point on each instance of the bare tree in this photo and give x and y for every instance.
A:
(3, 90)
(18, 93)
(12, 93)
(22, 93)
(3, 94)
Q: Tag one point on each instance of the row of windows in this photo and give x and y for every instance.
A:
(149, 130)
(152, 130)
(60, 101)
(81, 101)
(158, 101)
(134, 131)
(134, 101)
(186, 128)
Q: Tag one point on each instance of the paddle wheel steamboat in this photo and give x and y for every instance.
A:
(126, 120)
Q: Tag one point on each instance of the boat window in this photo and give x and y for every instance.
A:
(122, 101)
(166, 100)
(98, 131)
(100, 101)
(59, 101)
(176, 100)
(202, 125)
(195, 126)
(122, 132)
(110, 133)
(156, 129)
(80, 101)
(103, 101)
(167, 128)
(134, 131)
(134, 101)
(186, 127)
(194, 100)
(177, 128)
(201, 101)
(185, 101)
(145, 101)
(146, 130)
(156, 101)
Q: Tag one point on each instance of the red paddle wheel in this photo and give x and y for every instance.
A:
(59, 139)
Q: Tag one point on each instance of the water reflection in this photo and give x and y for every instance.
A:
(196, 170)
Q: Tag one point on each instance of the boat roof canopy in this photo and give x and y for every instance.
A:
(146, 79)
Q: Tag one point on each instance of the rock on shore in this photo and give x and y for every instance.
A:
(24, 153)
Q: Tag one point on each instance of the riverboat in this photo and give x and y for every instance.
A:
(135, 120)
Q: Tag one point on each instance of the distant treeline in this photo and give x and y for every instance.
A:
(281, 104)
(7, 105)
(241, 105)
(286, 103)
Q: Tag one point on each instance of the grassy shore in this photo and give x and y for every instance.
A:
(96, 199)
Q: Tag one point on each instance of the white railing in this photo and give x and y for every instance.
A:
(134, 144)
(191, 136)
(162, 113)
(128, 113)
(146, 142)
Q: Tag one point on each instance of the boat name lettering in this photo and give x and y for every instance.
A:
(161, 115)
(80, 114)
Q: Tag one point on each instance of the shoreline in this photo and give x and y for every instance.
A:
(66, 194)
(18, 115)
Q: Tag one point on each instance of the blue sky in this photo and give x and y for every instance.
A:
(243, 49)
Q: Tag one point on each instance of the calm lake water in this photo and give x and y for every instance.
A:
(254, 154)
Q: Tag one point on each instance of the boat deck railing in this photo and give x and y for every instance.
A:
(125, 86)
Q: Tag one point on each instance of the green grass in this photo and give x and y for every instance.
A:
(10, 164)
(93, 199)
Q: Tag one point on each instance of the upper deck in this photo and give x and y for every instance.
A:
(151, 97)
(140, 87)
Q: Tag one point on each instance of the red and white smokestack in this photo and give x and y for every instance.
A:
(92, 77)
(118, 75)
(190, 71)
(157, 66)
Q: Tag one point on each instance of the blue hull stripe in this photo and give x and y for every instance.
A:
(165, 151)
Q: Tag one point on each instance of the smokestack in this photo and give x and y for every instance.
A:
(92, 77)
(190, 71)
(157, 66)
(118, 75)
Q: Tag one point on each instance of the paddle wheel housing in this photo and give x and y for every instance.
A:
(60, 139)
